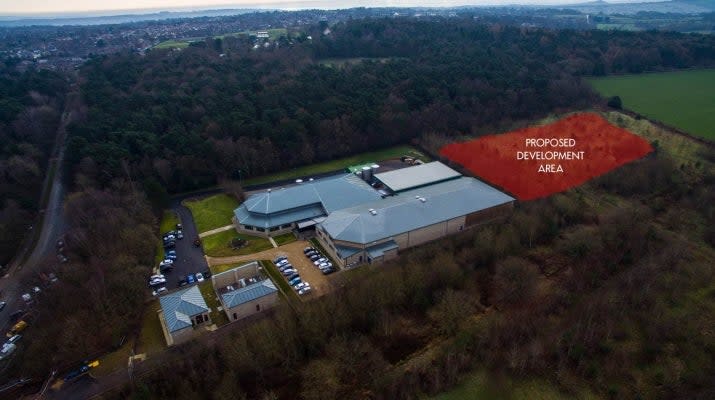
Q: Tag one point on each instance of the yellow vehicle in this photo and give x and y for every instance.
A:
(17, 328)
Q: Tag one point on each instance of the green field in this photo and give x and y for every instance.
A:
(212, 212)
(218, 245)
(684, 99)
(182, 43)
(334, 165)
(480, 386)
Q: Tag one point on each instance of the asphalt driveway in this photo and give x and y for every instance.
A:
(189, 259)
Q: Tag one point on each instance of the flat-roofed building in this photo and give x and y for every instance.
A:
(417, 176)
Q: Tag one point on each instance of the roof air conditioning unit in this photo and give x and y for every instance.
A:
(373, 211)
(422, 199)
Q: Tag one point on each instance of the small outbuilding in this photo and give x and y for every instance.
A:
(244, 291)
(182, 312)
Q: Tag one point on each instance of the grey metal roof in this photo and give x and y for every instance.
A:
(404, 212)
(379, 250)
(416, 176)
(180, 306)
(305, 201)
(248, 293)
(345, 252)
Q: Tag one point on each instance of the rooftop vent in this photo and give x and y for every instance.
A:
(311, 180)
(269, 190)
(373, 211)
(299, 181)
(422, 199)
(417, 197)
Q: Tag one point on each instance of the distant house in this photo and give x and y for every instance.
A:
(181, 313)
(263, 34)
(244, 291)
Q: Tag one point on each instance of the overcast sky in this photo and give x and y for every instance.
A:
(73, 6)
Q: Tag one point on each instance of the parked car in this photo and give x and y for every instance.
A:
(301, 285)
(17, 328)
(178, 227)
(328, 271)
(182, 282)
(199, 277)
(14, 339)
(295, 281)
(197, 242)
(305, 290)
(171, 252)
(315, 257)
(157, 276)
(170, 244)
(279, 258)
(285, 267)
(307, 249)
(292, 276)
(282, 262)
(171, 257)
(14, 317)
(320, 261)
(190, 279)
(6, 350)
(289, 272)
(2, 305)
(157, 282)
(179, 235)
(162, 290)
(166, 268)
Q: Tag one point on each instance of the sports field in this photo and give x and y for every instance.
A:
(684, 99)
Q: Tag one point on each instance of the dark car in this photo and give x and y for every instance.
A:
(328, 271)
(170, 245)
(292, 276)
(197, 242)
(315, 257)
(2, 305)
(182, 282)
(207, 273)
(307, 249)
(14, 317)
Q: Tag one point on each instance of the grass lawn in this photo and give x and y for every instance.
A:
(207, 290)
(114, 360)
(172, 44)
(479, 385)
(168, 223)
(280, 281)
(212, 212)
(217, 269)
(285, 238)
(683, 99)
(334, 165)
(218, 245)
(151, 338)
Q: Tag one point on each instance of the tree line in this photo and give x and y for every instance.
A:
(30, 106)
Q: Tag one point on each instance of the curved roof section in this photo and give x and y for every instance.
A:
(407, 211)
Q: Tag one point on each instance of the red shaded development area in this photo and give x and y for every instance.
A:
(537, 161)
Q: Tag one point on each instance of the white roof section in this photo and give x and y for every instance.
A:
(417, 176)
(413, 209)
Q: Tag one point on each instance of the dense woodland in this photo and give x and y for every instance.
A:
(586, 293)
(30, 108)
(556, 292)
(182, 120)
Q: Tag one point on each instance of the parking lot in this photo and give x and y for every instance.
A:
(319, 283)
(189, 259)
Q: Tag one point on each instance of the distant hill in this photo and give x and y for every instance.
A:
(673, 6)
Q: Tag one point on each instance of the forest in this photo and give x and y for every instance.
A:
(177, 121)
(30, 107)
(557, 291)
(592, 295)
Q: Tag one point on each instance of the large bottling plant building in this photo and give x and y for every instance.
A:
(367, 218)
